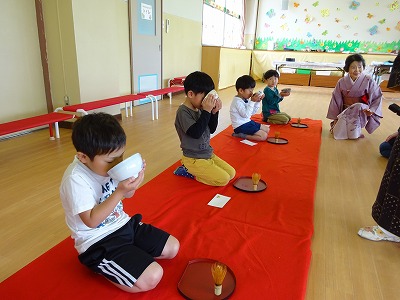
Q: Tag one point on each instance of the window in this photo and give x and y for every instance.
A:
(223, 23)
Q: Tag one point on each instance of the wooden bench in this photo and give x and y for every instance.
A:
(176, 81)
(83, 108)
(36, 121)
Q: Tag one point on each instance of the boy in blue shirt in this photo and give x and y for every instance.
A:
(270, 103)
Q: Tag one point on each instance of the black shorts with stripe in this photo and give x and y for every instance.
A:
(123, 255)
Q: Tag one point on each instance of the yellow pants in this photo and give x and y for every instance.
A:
(278, 118)
(213, 171)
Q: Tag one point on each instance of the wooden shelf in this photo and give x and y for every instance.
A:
(296, 79)
(324, 81)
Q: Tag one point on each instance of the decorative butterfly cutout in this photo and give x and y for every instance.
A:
(394, 5)
(266, 25)
(354, 5)
(309, 34)
(271, 13)
(346, 26)
(308, 19)
(373, 30)
(387, 28)
(382, 21)
(315, 4)
(337, 20)
(338, 36)
(284, 27)
(370, 16)
(296, 4)
(319, 25)
(325, 32)
(325, 12)
(283, 16)
(356, 18)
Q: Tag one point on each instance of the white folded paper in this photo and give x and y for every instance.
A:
(219, 200)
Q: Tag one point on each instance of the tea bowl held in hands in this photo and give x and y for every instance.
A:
(127, 168)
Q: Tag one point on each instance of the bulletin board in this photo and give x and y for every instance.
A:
(326, 25)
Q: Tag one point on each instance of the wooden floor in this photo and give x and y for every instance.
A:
(343, 266)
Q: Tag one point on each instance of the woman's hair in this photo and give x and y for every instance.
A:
(245, 82)
(198, 82)
(352, 58)
(271, 73)
(97, 134)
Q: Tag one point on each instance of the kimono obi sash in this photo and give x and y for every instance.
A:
(349, 101)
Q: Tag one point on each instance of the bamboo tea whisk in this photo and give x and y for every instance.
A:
(255, 177)
(218, 271)
(277, 133)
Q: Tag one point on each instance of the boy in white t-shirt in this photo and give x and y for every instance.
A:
(108, 241)
(243, 106)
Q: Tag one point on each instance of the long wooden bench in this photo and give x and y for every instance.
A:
(83, 108)
(36, 121)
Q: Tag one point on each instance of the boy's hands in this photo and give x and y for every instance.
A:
(125, 189)
(208, 103)
(128, 186)
(257, 97)
(217, 107)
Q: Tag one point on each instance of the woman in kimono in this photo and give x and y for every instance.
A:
(386, 209)
(356, 102)
(394, 79)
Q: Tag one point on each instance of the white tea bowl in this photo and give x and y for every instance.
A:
(127, 168)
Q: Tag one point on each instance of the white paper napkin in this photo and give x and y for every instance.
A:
(247, 142)
(219, 200)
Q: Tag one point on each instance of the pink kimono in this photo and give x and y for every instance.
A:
(348, 102)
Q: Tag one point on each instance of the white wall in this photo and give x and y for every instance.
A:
(96, 39)
(21, 85)
(188, 9)
(181, 45)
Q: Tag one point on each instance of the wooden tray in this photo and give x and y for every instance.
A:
(299, 125)
(197, 283)
(245, 184)
(278, 141)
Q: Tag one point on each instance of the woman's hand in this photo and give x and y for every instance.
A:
(368, 112)
(393, 135)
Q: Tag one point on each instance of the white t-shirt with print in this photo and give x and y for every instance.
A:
(81, 189)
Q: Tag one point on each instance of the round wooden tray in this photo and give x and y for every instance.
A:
(245, 183)
(299, 125)
(197, 283)
(278, 141)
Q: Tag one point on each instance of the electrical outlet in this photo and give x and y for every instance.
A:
(66, 100)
